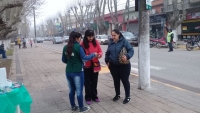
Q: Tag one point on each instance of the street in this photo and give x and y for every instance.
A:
(179, 68)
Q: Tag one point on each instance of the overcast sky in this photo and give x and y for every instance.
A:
(52, 7)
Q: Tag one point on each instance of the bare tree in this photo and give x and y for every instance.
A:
(174, 17)
(113, 12)
(126, 14)
(100, 7)
(11, 14)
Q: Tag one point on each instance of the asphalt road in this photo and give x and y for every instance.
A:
(179, 68)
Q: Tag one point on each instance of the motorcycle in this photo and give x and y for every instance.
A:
(163, 43)
(192, 43)
(153, 42)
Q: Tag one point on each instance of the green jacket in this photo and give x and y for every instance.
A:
(75, 62)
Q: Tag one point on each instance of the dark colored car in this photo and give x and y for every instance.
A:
(132, 39)
(57, 40)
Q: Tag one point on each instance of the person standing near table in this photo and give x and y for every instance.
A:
(73, 55)
(118, 70)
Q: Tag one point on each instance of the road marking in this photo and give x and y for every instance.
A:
(135, 70)
(151, 67)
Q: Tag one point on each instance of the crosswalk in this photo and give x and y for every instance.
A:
(134, 67)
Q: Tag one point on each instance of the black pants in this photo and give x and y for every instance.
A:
(91, 80)
(19, 46)
(170, 46)
(121, 72)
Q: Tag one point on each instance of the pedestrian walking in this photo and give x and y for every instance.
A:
(92, 67)
(19, 42)
(73, 55)
(31, 43)
(117, 57)
(170, 37)
(24, 43)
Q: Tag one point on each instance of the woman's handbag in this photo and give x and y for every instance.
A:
(96, 66)
(121, 54)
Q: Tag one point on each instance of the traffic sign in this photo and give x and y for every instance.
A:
(148, 5)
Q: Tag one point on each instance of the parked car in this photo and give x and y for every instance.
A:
(132, 39)
(57, 40)
(39, 40)
(46, 39)
(103, 39)
(66, 38)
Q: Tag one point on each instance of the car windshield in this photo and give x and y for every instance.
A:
(104, 37)
(127, 34)
(58, 38)
(66, 36)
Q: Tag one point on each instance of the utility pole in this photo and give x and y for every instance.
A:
(144, 49)
(34, 23)
(25, 28)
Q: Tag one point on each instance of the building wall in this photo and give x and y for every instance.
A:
(189, 4)
(157, 4)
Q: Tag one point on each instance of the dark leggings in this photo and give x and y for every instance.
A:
(121, 72)
(91, 81)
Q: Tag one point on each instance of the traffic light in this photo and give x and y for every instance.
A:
(136, 5)
(148, 5)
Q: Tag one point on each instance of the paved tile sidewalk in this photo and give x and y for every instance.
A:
(42, 72)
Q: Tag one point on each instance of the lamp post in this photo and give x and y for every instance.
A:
(34, 23)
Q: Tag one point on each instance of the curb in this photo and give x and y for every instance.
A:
(184, 47)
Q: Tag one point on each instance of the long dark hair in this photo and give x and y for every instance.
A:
(118, 32)
(72, 40)
(85, 40)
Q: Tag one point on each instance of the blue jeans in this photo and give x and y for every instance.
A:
(75, 83)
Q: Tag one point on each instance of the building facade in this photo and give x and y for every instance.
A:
(157, 20)
(191, 25)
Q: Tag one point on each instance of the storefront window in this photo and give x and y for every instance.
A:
(191, 27)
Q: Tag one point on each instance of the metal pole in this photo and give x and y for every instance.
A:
(25, 27)
(34, 23)
(144, 49)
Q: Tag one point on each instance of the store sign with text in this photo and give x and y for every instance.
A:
(190, 16)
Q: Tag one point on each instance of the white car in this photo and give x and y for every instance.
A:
(103, 39)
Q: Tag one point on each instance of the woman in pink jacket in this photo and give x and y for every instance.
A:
(92, 67)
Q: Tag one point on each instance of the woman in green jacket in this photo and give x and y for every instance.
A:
(74, 56)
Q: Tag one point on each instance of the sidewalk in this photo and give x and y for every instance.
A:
(43, 74)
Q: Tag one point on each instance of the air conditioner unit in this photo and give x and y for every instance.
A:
(134, 17)
(181, 16)
(153, 11)
(162, 10)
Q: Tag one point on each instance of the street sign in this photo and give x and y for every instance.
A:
(148, 5)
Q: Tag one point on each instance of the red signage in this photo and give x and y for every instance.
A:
(190, 16)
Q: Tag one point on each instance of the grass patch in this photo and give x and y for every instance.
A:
(7, 64)
(10, 50)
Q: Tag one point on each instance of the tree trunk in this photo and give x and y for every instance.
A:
(144, 49)
(175, 35)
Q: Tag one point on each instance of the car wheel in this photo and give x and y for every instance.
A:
(101, 43)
